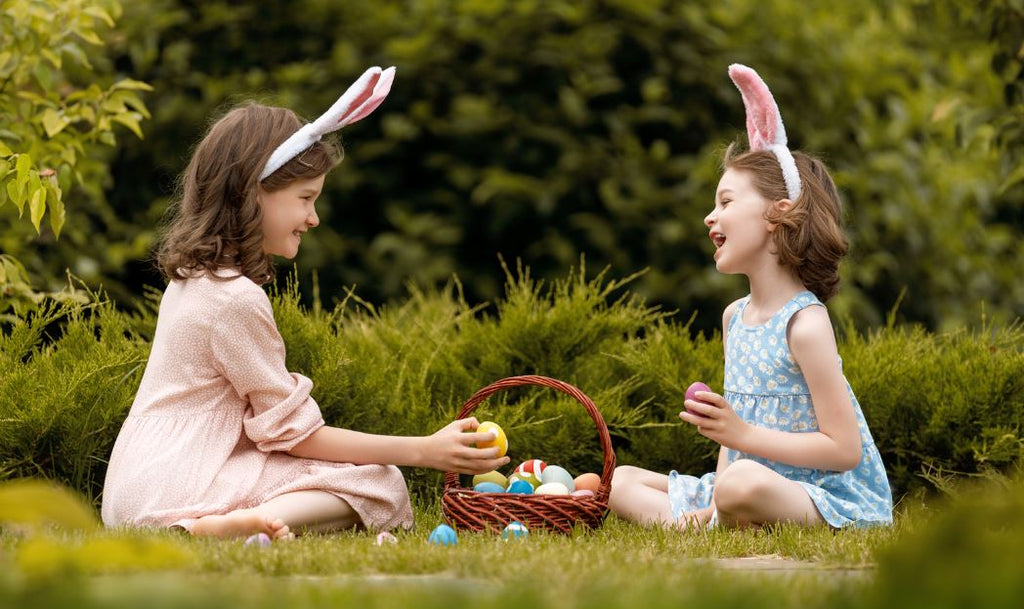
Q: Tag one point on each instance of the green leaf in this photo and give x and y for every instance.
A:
(135, 85)
(99, 13)
(56, 205)
(130, 120)
(37, 206)
(53, 122)
(4, 150)
(1015, 177)
(43, 76)
(24, 164)
(90, 36)
(50, 56)
(113, 105)
(17, 195)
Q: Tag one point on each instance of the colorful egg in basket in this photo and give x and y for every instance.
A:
(465, 509)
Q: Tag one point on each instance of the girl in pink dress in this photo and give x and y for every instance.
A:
(222, 439)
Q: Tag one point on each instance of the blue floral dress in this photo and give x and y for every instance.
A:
(766, 388)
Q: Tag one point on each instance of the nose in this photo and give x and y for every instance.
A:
(710, 219)
(312, 220)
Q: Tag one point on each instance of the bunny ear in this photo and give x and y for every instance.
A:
(371, 98)
(358, 101)
(764, 122)
(355, 104)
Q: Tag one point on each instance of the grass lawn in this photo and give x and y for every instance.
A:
(965, 551)
(619, 565)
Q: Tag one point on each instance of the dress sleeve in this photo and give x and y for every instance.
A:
(249, 351)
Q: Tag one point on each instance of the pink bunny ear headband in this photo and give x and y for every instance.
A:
(357, 103)
(764, 123)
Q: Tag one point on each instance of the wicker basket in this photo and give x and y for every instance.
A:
(467, 509)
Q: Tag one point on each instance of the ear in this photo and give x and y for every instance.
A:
(775, 210)
(764, 122)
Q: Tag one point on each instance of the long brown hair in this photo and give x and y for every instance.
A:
(216, 219)
(808, 235)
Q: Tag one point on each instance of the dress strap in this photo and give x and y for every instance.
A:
(799, 302)
(737, 315)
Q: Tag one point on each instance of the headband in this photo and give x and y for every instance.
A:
(764, 123)
(357, 103)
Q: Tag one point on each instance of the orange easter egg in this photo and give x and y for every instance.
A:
(588, 482)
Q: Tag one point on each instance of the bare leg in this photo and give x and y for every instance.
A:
(748, 493)
(240, 523)
(641, 496)
(312, 510)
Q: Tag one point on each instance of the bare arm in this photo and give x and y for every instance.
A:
(449, 449)
(835, 446)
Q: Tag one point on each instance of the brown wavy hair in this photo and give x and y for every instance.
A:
(216, 219)
(808, 235)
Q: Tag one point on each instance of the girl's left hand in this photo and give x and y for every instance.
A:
(715, 419)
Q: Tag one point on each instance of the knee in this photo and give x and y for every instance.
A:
(624, 476)
(739, 486)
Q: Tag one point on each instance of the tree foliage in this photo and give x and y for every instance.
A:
(545, 129)
(55, 114)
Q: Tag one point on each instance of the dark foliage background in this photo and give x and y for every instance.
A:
(545, 130)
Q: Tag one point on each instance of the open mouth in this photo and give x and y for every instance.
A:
(718, 239)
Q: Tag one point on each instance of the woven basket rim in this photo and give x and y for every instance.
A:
(596, 505)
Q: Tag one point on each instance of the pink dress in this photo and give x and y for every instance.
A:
(215, 414)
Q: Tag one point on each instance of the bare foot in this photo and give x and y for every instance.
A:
(240, 523)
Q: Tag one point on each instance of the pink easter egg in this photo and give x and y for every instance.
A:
(691, 392)
(261, 540)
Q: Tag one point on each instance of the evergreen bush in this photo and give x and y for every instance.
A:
(938, 404)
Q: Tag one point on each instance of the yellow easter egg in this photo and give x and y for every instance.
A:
(500, 441)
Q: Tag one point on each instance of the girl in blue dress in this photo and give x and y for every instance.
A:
(794, 443)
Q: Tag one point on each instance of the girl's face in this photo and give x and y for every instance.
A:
(287, 214)
(737, 225)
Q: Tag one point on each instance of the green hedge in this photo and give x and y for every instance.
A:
(938, 404)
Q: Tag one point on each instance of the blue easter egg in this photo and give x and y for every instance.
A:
(443, 535)
(554, 473)
(489, 487)
(515, 530)
(521, 486)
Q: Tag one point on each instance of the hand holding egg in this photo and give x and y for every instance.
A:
(691, 394)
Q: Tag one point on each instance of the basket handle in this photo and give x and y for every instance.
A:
(451, 479)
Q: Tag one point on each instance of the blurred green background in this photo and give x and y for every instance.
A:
(541, 130)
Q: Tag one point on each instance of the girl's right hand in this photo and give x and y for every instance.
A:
(451, 449)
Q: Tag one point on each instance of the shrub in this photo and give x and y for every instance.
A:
(938, 404)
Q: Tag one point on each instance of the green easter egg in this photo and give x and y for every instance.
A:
(496, 477)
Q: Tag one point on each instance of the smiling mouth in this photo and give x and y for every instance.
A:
(718, 239)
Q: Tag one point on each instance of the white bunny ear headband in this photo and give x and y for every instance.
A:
(764, 123)
(355, 104)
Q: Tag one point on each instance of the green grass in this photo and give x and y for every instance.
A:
(621, 564)
(961, 552)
